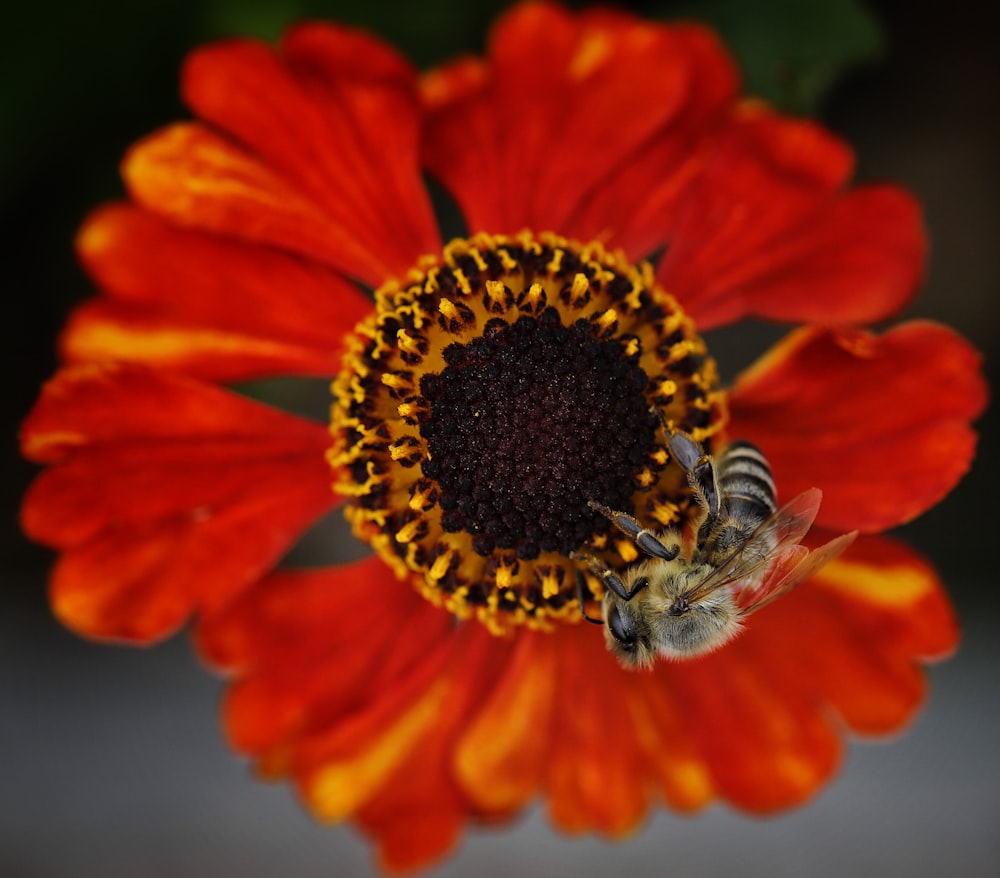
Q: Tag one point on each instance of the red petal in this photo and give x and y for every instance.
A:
(383, 710)
(679, 770)
(166, 495)
(860, 261)
(597, 776)
(367, 93)
(879, 423)
(763, 227)
(336, 118)
(419, 814)
(765, 748)
(214, 308)
(198, 179)
(307, 638)
(564, 102)
(854, 635)
(500, 759)
(358, 688)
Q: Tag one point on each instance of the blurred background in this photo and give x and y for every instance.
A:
(111, 761)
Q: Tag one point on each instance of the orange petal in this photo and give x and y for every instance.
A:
(895, 597)
(360, 690)
(165, 495)
(632, 207)
(859, 261)
(211, 307)
(879, 423)
(383, 710)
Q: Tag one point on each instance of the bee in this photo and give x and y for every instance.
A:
(690, 596)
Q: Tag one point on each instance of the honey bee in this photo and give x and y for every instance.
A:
(690, 596)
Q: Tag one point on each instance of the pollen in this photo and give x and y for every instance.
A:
(493, 394)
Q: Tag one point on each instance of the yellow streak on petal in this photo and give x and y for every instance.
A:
(211, 169)
(797, 772)
(590, 54)
(898, 586)
(692, 785)
(38, 444)
(340, 788)
(166, 345)
(498, 759)
(95, 238)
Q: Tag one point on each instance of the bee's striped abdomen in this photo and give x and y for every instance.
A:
(747, 500)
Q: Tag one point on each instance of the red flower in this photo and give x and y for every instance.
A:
(242, 254)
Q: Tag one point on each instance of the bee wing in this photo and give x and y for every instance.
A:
(795, 565)
(769, 557)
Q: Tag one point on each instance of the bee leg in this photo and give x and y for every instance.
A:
(645, 539)
(700, 469)
(611, 579)
(580, 592)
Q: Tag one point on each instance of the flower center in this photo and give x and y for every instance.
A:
(492, 395)
(525, 424)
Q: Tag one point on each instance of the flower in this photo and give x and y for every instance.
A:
(445, 680)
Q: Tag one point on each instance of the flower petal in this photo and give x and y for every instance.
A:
(334, 117)
(563, 101)
(197, 179)
(597, 777)
(857, 632)
(165, 495)
(500, 758)
(764, 228)
(764, 748)
(879, 423)
(382, 709)
(302, 638)
(357, 688)
(604, 127)
(214, 308)
(368, 95)
(420, 813)
(850, 641)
